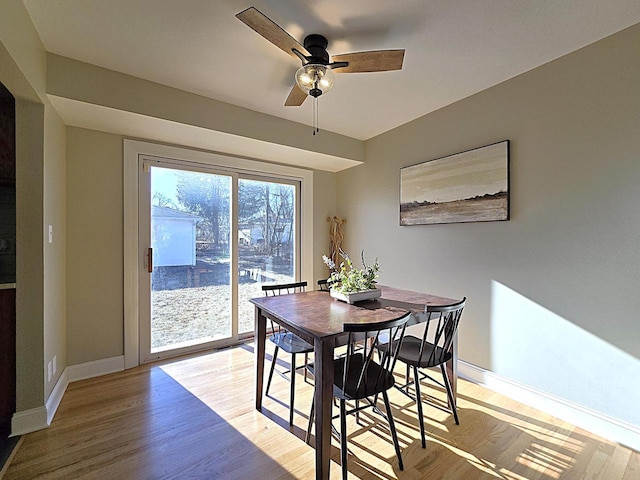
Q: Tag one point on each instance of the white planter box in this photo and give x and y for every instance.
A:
(357, 296)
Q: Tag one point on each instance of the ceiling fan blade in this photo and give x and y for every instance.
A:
(296, 97)
(373, 61)
(270, 30)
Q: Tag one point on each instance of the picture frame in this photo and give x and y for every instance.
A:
(471, 186)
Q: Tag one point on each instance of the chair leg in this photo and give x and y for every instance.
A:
(311, 419)
(292, 393)
(273, 367)
(306, 362)
(392, 427)
(452, 400)
(343, 438)
(416, 382)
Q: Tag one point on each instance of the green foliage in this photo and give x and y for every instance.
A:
(348, 279)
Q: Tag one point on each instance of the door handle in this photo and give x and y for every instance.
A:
(150, 260)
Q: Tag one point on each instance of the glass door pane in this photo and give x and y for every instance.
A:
(190, 238)
(267, 241)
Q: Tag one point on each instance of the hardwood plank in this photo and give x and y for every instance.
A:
(194, 417)
(633, 467)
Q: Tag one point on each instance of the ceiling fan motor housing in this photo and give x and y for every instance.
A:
(316, 45)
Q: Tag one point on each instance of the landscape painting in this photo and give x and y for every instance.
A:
(471, 186)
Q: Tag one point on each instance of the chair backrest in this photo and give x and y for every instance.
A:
(441, 324)
(282, 288)
(361, 375)
(324, 284)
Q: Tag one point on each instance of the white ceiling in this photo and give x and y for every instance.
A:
(453, 48)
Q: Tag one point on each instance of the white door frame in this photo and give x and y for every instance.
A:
(134, 150)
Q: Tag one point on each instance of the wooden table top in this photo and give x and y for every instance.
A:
(413, 301)
(321, 316)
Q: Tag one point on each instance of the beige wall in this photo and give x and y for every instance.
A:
(227, 125)
(40, 185)
(94, 246)
(553, 293)
(54, 214)
(19, 37)
(324, 205)
(30, 366)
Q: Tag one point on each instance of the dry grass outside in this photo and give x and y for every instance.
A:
(201, 313)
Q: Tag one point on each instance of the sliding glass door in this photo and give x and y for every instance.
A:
(212, 238)
(267, 240)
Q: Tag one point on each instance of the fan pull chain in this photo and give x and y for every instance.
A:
(314, 114)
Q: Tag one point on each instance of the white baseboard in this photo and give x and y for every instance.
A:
(97, 368)
(595, 422)
(39, 418)
(53, 402)
(29, 421)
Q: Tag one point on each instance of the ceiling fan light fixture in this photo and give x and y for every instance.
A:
(315, 79)
(305, 79)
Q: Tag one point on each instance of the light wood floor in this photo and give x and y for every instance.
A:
(194, 418)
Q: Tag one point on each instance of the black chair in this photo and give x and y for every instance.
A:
(358, 378)
(324, 284)
(288, 342)
(433, 349)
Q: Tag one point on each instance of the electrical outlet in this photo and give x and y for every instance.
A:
(55, 364)
(49, 371)
(50, 233)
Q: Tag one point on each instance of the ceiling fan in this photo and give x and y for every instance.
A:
(315, 77)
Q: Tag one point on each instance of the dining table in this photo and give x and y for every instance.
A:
(318, 318)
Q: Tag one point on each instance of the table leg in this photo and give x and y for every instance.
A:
(323, 370)
(259, 338)
(452, 369)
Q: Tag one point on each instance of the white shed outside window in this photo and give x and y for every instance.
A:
(173, 236)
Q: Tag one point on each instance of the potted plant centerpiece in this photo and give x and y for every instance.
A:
(351, 284)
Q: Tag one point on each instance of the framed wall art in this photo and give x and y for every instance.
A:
(471, 186)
